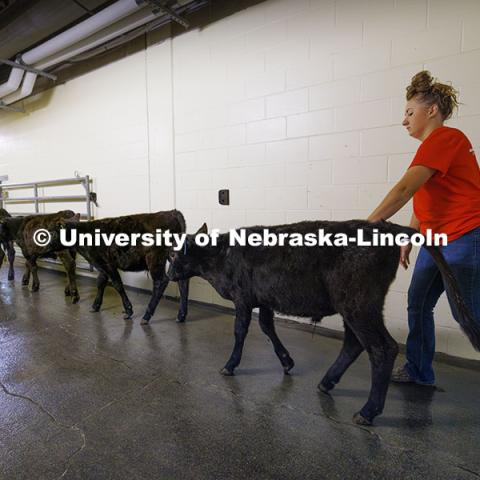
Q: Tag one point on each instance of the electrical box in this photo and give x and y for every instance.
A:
(224, 197)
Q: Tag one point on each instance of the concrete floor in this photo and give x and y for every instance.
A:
(91, 396)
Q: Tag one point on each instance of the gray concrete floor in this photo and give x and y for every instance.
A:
(91, 396)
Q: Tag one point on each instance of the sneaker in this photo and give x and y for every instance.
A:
(400, 375)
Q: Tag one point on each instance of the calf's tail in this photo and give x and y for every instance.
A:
(181, 220)
(463, 315)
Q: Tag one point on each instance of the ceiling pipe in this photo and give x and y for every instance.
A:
(27, 87)
(186, 8)
(13, 82)
(123, 26)
(132, 22)
(69, 37)
(93, 24)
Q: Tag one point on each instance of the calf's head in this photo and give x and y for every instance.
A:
(62, 224)
(185, 263)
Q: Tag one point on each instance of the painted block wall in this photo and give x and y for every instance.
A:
(295, 106)
(114, 124)
(297, 110)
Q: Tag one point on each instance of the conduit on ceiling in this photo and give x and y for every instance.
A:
(108, 24)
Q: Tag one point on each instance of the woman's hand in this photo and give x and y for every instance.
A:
(405, 255)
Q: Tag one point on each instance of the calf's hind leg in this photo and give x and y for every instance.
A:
(265, 319)
(351, 349)
(118, 286)
(156, 267)
(102, 281)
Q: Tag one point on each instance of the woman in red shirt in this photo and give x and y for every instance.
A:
(444, 180)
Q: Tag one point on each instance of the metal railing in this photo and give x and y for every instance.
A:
(88, 198)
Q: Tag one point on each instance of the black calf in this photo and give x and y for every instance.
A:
(7, 248)
(109, 259)
(22, 229)
(314, 282)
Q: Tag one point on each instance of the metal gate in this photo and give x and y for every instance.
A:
(35, 199)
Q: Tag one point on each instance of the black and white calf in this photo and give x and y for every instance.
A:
(314, 282)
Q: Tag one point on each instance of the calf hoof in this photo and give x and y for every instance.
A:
(128, 315)
(11, 277)
(325, 387)
(146, 318)
(25, 281)
(35, 288)
(95, 308)
(226, 372)
(75, 298)
(359, 419)
(181, 318)
(288, 366)
(67, 291)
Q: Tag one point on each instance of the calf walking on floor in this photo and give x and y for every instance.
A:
(21, 230)
(132, 258)
(314, 282)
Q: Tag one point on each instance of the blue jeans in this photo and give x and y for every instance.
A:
(463, 257)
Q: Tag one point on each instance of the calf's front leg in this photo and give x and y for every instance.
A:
(242, 322)
(35, 279)
(11, 259)
(382, 350)
(183, 285)
(2, 254)
(160, 283)
(26, 275)
(69, 264)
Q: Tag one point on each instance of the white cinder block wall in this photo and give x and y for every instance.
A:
(114, 124)
(293, 105)
(297, 106)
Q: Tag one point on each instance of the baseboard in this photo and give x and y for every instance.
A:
(307, 327)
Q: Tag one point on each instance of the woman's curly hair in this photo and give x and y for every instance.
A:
(431, 92)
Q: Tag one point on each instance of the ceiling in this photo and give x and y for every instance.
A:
(27, 23)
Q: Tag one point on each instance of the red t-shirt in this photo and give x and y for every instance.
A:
(449, 202)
